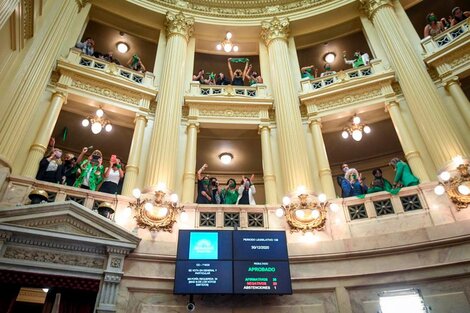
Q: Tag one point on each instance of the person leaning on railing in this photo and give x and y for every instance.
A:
(434, 26)
(135, 63)
(87, 47)
(458, 16)
(403, 175)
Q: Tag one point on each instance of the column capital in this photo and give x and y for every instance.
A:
(263, 126)
(194, 124)
(312, 120)
(60, 94)
(277, 28)
(449, 81)
(391, 103)
(179, 24)
(412, 154)
(370, 7)
(140, 117)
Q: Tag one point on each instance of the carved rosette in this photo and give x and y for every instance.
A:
(277, 28)
(178, 24)
(369, 7)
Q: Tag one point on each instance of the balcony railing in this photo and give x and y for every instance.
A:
(434, 44)
(77, 57)
(257, 91)
(309, 85)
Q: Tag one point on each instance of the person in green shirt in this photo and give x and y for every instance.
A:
(309, 72)
(379, 183)
(230, 193)
(403, 175)
(90, 172)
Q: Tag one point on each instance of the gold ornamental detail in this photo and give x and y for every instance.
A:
(277, 28)
(369, 7)
(179, 24)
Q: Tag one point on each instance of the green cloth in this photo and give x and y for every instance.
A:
(239, 60)
(404, 176)
(387, 187)
(96, 175)
(230, 196)
(307, 73)
(359, 62)
(252, 82)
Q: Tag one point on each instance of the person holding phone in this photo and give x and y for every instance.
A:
(50, 167)
(90, 172)
(246, 191)
(112, 175)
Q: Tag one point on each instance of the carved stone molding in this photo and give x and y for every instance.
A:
(228, 113)
(349, 99)
(240, 9)
(27, 7)
(178, 24)
(57, 245)
(277, 28)
(370, 7)
(100, 89)
(53, 257)
(112, 278)
(117, 250)
(81, 4)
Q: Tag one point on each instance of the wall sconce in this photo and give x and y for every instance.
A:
(158, 213)
(456, 183)
(122, 47)
(355, 129)
(306, 213)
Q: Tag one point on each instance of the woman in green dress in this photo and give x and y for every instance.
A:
(403, 175)
(230, 193)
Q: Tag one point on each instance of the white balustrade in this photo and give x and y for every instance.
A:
(77, 57)
(254, 91)
(438, 42)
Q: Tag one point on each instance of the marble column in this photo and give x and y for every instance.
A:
(163, 152)
(132, 168)
(39, 147)
(373, 40)
(22, 89)
(409, 148)
(158, 67)
(268, 167)
(343, 299)
(452, 85)
(422, 96)
(322, 158)
(6, 9)
(292, 141)
(189, 175)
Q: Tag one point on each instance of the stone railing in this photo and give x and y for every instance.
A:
(309, 85)
(255, 91)
(434, 44)
(77, 57)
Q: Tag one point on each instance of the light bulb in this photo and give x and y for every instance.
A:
(46, 290)
(357, 135)
(228, 35)
(235, 48)
(148, 207)
(174, 198)
(463, 189)
(356, 120)
(218, 47)
(286, 201)
(345, 134)
(96, 128)
(99, 113)
(184, 217)
(439, 190)
(334, 207)
(458, 160)
(228, 47)
(85, 122)
(163, 211)
(445, 176)
(330, 57)
(300, 213)
(279, 212)
(136, 193)
(161, 187)
(122, 47)
(367, 129)
(108, 127)
(315, 213)
(322, 197)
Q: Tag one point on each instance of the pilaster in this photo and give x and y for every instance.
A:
(293, 151)
(38, 148)
(268, 168)
(189, 175)
(132, 168)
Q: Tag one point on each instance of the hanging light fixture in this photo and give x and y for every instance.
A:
(356, 129)
(97, 122)
(227, 45)
(455, 181)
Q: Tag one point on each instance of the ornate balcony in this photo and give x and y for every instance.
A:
(258, 91)
(89, 77)
(441, 41)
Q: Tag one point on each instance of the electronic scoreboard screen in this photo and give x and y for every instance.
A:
(226, 262)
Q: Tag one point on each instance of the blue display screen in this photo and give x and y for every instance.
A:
(260, 245)
(228, 262)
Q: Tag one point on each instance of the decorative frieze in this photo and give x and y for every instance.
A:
(56, 245)
(97, 88)
(42, 256)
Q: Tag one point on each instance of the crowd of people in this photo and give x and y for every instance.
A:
(81, 172)
(210, 192)
(353, 183)
(88, 48)
(237, 76)
(436, 25)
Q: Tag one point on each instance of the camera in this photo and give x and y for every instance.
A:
(190, 306)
